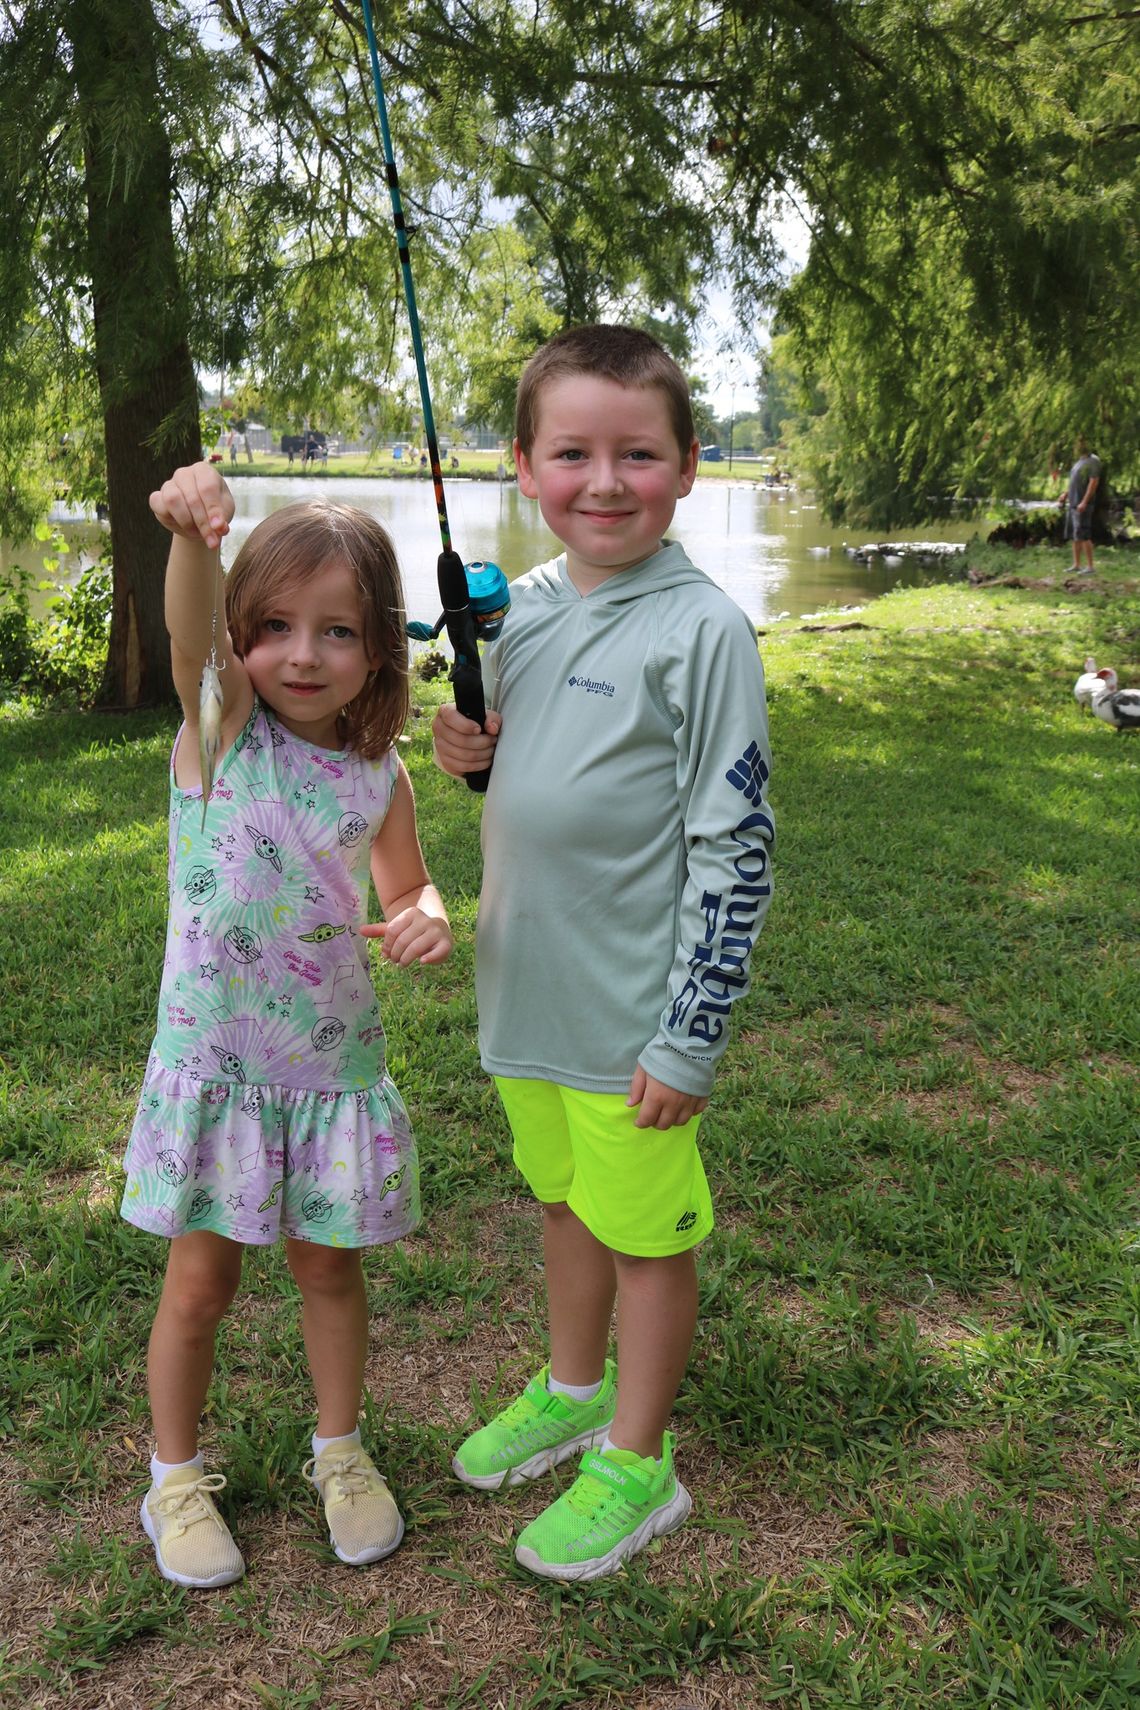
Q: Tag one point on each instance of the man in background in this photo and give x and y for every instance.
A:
(1084, 480)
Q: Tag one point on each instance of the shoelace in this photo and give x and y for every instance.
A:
(189, 1503)
(352, 1477)
(520, 1412)
(588, 1496)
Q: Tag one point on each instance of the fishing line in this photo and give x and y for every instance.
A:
(211, 699)
(453, 579)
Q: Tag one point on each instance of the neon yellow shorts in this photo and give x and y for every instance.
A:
(638, 1190)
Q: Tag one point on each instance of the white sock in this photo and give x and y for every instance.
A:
(575, 1391)
(320, 1444)
(159, 1469)
(610, 1444)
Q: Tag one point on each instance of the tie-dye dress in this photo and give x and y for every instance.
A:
(266, 1108)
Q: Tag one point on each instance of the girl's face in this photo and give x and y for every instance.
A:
(308, 658)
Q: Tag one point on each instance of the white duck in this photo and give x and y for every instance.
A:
(1086, 685)
(1118, 707)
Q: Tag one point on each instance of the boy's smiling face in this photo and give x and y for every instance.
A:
(607, 472)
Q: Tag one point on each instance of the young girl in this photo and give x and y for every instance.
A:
(266, 1109)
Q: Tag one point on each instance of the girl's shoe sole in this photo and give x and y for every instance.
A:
(369, 1555)
(182, 1578)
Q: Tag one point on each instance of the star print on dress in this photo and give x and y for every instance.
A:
(267, 1076)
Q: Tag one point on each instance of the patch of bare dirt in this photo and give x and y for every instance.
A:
(948, 1318)
(1100, 1492)
(949, 1461)
(300, 1618)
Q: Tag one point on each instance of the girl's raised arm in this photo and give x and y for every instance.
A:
(196, 506)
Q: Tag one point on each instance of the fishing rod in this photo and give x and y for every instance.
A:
(461, 613)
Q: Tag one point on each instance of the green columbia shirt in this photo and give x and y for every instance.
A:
(626, 830)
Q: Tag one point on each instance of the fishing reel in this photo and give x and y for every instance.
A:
(475, 601)
(488, 598)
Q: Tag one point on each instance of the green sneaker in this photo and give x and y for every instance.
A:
(535, 1433)
(618, 1503)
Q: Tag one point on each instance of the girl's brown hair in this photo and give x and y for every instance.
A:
(622, 354)
(298, 541)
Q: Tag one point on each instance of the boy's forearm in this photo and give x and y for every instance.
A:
(729, 831)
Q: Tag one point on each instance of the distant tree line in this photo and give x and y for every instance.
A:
(191, 189)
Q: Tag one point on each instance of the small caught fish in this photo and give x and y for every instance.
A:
(209, 731)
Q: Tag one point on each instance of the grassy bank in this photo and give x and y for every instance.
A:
(483, 464)
(477, 465)
(912, 1421)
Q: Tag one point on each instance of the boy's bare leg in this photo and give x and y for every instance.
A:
(202, 1275)
(656, 1319)
(580, 1285)
(334, 1321)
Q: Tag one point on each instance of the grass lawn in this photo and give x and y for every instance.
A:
(912, 1419)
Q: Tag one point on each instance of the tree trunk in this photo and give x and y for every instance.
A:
(142, 353)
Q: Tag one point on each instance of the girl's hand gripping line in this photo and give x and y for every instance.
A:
(195, 504)
(415, 927)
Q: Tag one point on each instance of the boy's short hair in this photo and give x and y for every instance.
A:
(622, 354)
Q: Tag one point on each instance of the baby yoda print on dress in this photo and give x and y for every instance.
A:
(266, 1105)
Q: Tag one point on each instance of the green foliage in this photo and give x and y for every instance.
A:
(968, 177)
(501, 320)
(968, 304)
(16, 629)
(69, 648)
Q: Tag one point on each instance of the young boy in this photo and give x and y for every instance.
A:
(626, 843)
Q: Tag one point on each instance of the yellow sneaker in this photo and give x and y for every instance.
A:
(364, 1523)
(192, 1543)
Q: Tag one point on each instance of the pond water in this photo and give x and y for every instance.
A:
(770, 550)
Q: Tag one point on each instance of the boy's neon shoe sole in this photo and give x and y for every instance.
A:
(536, 1432)
(618, 1503)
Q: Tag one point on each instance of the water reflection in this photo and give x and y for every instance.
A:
(770, 550)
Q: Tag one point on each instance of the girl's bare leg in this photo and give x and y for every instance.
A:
(334, 1320)
(202, 1275)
